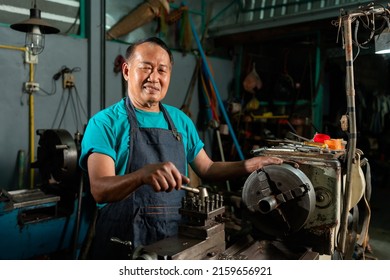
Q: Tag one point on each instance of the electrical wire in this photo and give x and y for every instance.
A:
(58, 110)
(80, 104)
(53, 89)
(64, 111)
(367, 16)
(74, 111)
(73, 100)
(74, 22)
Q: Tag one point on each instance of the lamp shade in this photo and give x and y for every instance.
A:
(34, 20)
(382, 42)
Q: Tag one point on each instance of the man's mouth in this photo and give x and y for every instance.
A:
(151, 88)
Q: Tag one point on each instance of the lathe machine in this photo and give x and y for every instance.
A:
(291, 211)
(288, 211)
(50, 220)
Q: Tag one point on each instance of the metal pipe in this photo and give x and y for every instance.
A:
(32, 128)
(222, 11)
(82, 33)
(351, 149)
(23, 49)
(267, 204)
(103, 55)
(31, 115)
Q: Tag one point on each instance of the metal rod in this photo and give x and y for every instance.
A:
(103, 54)
(351, 149)
(190, 189)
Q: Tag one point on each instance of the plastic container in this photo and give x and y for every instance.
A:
(334, 144)
(320, 138)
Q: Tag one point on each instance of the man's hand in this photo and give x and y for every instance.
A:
(256, 163)
(163, 176)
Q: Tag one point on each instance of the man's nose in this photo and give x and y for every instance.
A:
(153, 77)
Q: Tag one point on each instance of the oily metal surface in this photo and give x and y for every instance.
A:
(288, 194)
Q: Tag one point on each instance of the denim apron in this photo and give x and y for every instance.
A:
(145, 216)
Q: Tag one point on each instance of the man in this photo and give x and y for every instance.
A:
(136, 154)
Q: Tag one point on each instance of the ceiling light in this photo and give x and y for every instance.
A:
(35, 29)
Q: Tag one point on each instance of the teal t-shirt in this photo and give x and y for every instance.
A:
(107, 133)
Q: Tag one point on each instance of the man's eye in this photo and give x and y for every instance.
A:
(146, 69)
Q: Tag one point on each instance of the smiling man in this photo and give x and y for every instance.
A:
(136, 154)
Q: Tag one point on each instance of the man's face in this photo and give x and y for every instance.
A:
(148, 74)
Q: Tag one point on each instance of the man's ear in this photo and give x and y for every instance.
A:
(125, 70)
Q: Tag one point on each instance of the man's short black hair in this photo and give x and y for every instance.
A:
(153, 40)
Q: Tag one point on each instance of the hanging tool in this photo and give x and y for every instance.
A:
(185, 32)
(141, 15)
(252, 81)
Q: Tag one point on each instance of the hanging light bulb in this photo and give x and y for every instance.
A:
(35, 40)
(35, 29)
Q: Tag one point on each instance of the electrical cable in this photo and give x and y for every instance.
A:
(80, 104)
(58, 111)
(73, 108)
(53, 90)
(74, 22)
(64, 112)
(73, 99)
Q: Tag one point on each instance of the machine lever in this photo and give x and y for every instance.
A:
(190, 189)
(117, 240)
(201, 191)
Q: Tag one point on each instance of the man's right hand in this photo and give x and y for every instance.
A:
(163, 177)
